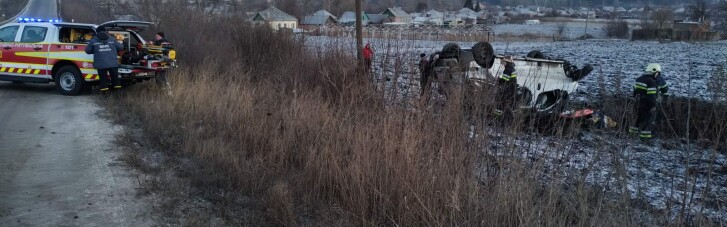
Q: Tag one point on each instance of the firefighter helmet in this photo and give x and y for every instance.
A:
(653, 68)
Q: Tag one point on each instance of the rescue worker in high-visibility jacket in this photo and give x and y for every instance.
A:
(507, 83)
(646, 91)
(663, 88)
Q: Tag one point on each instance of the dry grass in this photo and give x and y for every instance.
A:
(304, 133)
(307, 132)
(381, 166)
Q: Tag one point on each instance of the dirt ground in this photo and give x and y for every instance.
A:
(60, 165)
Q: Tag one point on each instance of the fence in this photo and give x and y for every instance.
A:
(676, 35)
(458, 35)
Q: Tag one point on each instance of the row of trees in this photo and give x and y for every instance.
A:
(660, 18)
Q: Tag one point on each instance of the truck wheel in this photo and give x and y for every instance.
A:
(536, 54)
(451, 50)
(484, 54)
(581, 73)
(68, 80)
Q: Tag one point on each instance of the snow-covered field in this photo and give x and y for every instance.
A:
(685, 65)
(664, 176)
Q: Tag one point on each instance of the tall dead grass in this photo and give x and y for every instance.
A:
(380, 166)
(305, 133)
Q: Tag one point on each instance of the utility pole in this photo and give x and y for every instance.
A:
(359, 34)
(588, 14)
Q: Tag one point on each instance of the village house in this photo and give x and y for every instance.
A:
(349, 19)
(276, 18)
(318, 19)
(397, 15)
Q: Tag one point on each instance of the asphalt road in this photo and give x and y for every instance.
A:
(59, 165)
(43, 9)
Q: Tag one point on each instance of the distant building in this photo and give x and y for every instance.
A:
(466, 13)
(525, 12)
(397, 15)
(375, 18)
(532, 22)
(349, 19)
(320, 18)
(591, 14)
(453, 21)
(680, 11)
(682, 31)
(276, 18)
(433, 14)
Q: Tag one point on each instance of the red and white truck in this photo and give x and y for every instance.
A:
(37, 51)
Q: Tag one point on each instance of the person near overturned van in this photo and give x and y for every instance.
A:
(368, 55)
(105, 50)
(507, 83)
(646, 91)
(663, 88)
(423, 73)
(159, 39)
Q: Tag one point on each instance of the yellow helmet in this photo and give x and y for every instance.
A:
(653, 68)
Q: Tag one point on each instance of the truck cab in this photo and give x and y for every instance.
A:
(35, 51)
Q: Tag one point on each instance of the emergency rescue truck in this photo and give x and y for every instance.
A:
(43, 51)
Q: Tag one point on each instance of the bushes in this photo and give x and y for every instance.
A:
(301, 131)
(617, 29)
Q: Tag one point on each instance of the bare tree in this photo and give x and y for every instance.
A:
(291, 7)
(617, 29)
(699, 10)
(422, 7)
(661, 17)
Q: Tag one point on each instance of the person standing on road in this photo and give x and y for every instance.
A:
(105, 51)
(507, 83)
(646, 92)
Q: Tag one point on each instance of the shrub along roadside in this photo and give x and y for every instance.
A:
(302, 131)
(305, 134)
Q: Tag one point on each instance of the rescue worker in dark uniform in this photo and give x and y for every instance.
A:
(646, 91)
(507, 83)
(423, 73)
(105, 50)
(663, 88)
(160, 39)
